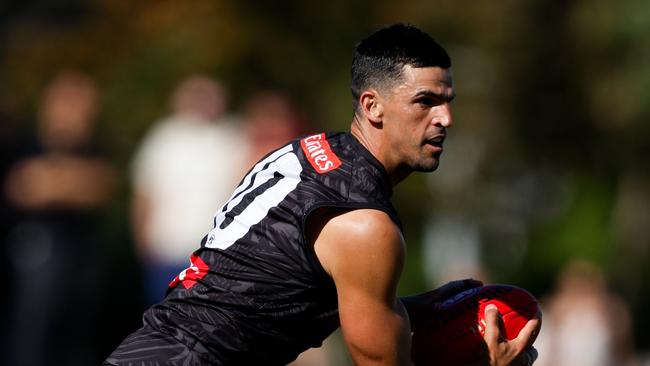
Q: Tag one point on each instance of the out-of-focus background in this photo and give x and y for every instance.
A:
(124, 125)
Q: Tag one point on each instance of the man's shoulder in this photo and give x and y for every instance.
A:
(364, 227)
(359, 240)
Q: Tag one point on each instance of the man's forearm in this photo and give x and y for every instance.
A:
(385, 341)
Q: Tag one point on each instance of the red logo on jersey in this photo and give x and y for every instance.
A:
(319, 153)
(188, 277)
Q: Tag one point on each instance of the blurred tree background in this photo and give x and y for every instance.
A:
(547, 160)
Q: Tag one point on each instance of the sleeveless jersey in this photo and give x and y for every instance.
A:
(255, 292)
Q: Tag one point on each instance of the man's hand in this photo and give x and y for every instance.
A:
(517, 352)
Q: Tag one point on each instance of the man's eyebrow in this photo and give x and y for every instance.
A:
(432, 94)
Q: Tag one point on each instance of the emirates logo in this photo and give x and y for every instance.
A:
(319, 153)
(188, 277)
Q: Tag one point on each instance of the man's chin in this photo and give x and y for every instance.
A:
(427, 168)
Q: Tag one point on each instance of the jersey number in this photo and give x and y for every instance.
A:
(263, 188)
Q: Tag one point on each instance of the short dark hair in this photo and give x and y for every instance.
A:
(379, 59)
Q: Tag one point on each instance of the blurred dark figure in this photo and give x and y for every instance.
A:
(8, 149)
(584, 323)
(53, 194)
(184, 170)
(271, 119)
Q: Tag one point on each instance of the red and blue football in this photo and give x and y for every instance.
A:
(454, 336)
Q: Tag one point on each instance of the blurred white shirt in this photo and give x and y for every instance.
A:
(188, 169)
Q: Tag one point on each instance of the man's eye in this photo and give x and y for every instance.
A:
(426, 102)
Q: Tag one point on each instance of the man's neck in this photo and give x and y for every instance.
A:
(372, 142)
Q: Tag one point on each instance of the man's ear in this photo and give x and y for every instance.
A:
(371, 106)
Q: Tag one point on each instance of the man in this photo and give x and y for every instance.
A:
(55, 192)
(310, 241)
(184, 164)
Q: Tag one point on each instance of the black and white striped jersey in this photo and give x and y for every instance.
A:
(254, 292)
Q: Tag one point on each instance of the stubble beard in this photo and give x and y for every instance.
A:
(425, 166)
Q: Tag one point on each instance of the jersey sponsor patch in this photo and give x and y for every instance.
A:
(188, 277)
(319, 153)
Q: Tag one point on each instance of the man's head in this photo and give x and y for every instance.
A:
(68, 110)
(402, 87)
(379, 60)
(200, 97)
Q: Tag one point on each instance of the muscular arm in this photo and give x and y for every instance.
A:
(363, 251)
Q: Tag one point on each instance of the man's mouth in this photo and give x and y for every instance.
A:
(436, 141)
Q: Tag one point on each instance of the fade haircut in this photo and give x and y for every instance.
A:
(379, 59)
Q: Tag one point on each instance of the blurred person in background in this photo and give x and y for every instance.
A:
(270, 120)
(8, 150)
(186, 166)
(54, 192)
(585, 324)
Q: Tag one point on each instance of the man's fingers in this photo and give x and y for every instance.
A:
(527, 334)
(492, 332)
(520, 349)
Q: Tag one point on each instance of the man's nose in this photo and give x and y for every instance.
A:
(443, 118)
